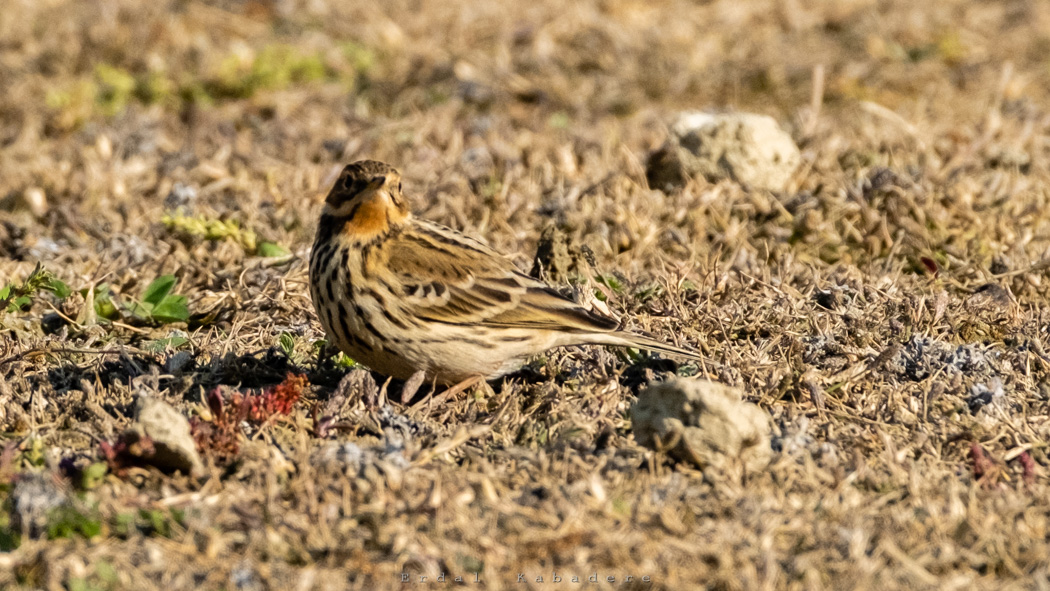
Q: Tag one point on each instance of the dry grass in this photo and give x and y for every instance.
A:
(912, 405)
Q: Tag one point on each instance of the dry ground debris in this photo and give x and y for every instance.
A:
(164, 162)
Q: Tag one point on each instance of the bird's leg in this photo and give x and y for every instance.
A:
(452, 390)
(460, 387)
(411, 386)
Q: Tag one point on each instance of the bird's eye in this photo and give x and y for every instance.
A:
(399, 186)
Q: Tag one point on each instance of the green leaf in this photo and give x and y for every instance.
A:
(19, 302)
(9, 540)
(34, 453)
(171, 309)
(162, 345)
(649, 292)
(140, 310)
(93, 475)
(159, 289)
(344, 361)
(610, 282)
(287, 342)
(271, 249)
(5, 292)
(157, 520)
(559, 120)
(105, 308)
(66, 522)
(90, 528)
(59, 288)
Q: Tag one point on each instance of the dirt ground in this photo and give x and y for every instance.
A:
(887, 310)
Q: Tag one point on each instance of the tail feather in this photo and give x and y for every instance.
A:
(630, 339)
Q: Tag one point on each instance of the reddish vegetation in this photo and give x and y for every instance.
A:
(277, 400)
(990, 472)
(1027, 468)
(130, 449)
(220, 436)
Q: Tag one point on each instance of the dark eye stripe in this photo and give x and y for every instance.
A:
(353, 185)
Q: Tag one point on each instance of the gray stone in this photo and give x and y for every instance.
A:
(704, 423)
(744, 147)
(169, 431)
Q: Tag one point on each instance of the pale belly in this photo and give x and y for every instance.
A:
(447, 358)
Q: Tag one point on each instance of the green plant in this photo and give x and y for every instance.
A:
(275, 67)
(165, 344)
(115, 87)
(610, 281)
(211, 229)
(102, 301)
(67, 522)
(361, 58)
(159, 304)
(271, 249)
(33, 453)
(340, 359)
(92, 475)
(15, 297)
(649, 292)
(148, 522)
(9, 538)
(287, 344)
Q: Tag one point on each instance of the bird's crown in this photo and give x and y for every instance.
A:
(362, 177)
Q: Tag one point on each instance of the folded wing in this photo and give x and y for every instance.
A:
(450, 278)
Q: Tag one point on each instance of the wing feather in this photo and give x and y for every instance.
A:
(450, 278)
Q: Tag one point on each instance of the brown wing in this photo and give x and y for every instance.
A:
(447, 277)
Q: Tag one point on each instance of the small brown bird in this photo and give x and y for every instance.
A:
(402, 295)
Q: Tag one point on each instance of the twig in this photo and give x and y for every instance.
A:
(461, 436)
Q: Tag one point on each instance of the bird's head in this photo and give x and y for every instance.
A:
(366, 200)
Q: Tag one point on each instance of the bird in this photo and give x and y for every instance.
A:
(403, 295)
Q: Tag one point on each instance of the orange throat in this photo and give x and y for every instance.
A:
(370, 220)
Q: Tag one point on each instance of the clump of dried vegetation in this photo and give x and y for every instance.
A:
(165, 162)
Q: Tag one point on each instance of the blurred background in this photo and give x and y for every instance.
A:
(494, 110)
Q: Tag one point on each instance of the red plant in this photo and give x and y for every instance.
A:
(220, 436)
(986, 469)
(1027, 468)
(129, 449)
(276, 400)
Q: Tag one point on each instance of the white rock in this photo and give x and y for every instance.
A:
(704, 423)
(173, 443)
(747, 148)
(36, 200)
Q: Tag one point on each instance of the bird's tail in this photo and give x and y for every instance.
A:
(630, 339)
